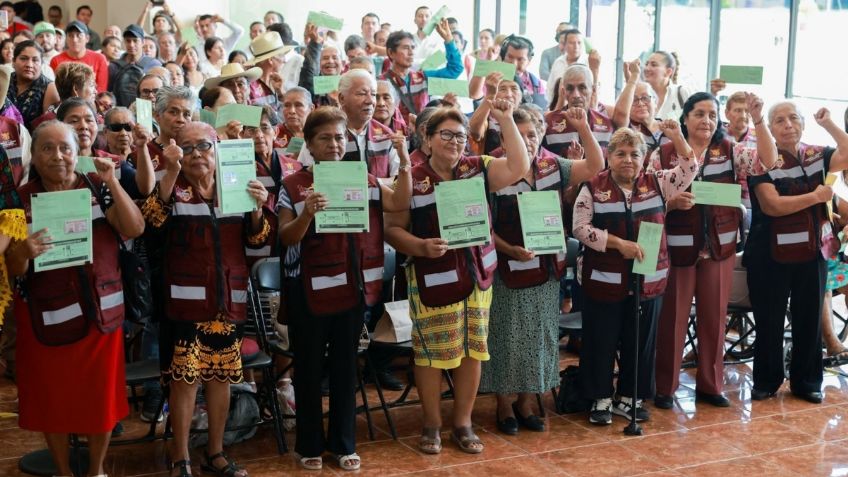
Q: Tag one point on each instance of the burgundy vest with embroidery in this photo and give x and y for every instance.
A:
(559, 133)
(606, 276)
(415, 91)
(377, 147)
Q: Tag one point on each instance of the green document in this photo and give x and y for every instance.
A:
(541, 222)
(85, 165)
(484, 67)
(741, 74)
(67, 217)
(650, 235)
(234, 169)
(325, 84)
(463, 212)
(144, 113)
(295, 145)
(345, 184)
(246, 115)
(324, 20)
(443, 86)
(208, 116)
(435, 61)
(712, 193)
(435, 19)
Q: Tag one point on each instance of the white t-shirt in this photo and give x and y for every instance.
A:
(305, 157)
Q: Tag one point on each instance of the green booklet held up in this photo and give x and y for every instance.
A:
(435, 19)
(85, 165)
(325, 20)
(650, 236)
(208, 116)
(484, 67)
(435, 61)
(235, 168)
(294, 146)
(67, 217)
(345, 184)
(541, 222)
(144, 113)
(443, 86)
(463, 212)
(714, 193)
(246, 115)
(325, 84)
(737, 74)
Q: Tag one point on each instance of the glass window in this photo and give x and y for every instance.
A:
(604, 38)
(542, 21)
(685, 29)
(639, 29)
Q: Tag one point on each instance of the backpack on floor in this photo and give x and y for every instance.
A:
(568, 400)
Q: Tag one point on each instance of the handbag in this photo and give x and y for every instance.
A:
(135, 274)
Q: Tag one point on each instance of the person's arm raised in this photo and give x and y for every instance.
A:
(124, 216)
(594, 162)
(621, 112)
(504, 171)
(480, 119)
(839, 159)
(397, 199)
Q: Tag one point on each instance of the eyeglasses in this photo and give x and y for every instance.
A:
(118, 127)
(642, 99)
(448, 136)
(149, 92)
(253, 131)
(202, 147)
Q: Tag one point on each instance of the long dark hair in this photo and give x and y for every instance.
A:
(689, 105)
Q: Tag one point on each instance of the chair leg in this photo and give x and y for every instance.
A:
(276, 413)
(449, 379)
(383, 404)
(541, 407)
(365, 403)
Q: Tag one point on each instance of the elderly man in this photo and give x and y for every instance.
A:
(785, 253)
(367, 139)
(236, 79)
(167, 47)
(206, 26)
(268, 53)
(126, 72)
(77, 36)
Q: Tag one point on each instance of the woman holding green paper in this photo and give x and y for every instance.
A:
(524, 325)
(327, 286)
(450, 290)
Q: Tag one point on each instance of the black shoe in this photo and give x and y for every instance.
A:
(662, 401)
(531, 422)
(508, 426)
(759, 394)
(601, 413)
(387, 381)
(814, 397)
(717, 400)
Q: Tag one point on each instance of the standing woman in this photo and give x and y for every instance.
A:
(190, 62)
(327, 290)
(386, 110)
(69, 320)
(206, 289)
(29, 90)
(450, 290)
(215, 59)
(643, 120)
(702, 248)
(524, 325)
(607, 217)
(660, 73)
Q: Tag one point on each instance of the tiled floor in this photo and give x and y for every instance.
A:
(782, 436)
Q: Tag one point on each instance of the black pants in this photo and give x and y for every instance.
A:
(770, 285)
(312, 336)
(608, 327)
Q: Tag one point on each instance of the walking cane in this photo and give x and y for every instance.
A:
(634, 429)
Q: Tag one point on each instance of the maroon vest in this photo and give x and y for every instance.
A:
(339, 268)
(10, 139)
(450, 278)
(415, 92)
(156, 156)
(507, 225)
(64, 301)
(606, 275)
(378, 144)
(714, 226)
(559, 133)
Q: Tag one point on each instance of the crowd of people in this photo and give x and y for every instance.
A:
(487, 313)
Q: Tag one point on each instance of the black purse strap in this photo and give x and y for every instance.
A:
(102, 205)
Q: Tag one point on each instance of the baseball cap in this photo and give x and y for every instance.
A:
(134, 30)
(43, 27)
(78, 26)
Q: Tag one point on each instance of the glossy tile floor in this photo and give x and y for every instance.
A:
(777, 437)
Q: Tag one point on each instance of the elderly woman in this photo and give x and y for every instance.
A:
(607, 218)
(702, 249)
(320, 60)
(660, 73)
(172, 111)
(386, 110)
(450, 290)
(481, 127)
(29, 90)
(785, 252)
(69, 322)
(297, 104)
(123, 136)
(642, 119)
(524, 325)
(205, 288)
(326, 318)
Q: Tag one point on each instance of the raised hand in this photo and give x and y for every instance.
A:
(501, 110)
(444, 30)
(141, 136)
(632, 70)
(716, 85)
(258, 191)
(399, 143)
(755, 107)
(173, 154)
(822, 117)
(670, 128)
(434, 247)
(105, 169)
(594, 62)
(311, 34)
(492, 81)
(577, 117)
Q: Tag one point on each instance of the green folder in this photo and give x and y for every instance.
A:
(144, 113)
(208, 116)
(650, 235)
(713, 193)
(443, 86)
(484, 67)
(246, 115)
(294, 146)
(345, 184)
(85, 165)
(234, 169)
(325, 20)
(325, 84)
(741, 74)
(435, 19)
(67, 216)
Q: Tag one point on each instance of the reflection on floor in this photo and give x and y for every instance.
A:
(777, 437)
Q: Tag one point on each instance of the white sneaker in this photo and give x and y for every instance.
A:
(600, 413)
(623, 408)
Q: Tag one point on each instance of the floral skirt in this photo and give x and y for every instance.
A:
(837, 273)
(207, 350)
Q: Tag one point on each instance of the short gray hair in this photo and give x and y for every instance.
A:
(773, 109)
(579, 70)
(297, 89)
(36, 133)
(392, 90)
(107, 118)
(347, 80)
(167, 94)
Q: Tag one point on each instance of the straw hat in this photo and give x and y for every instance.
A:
(5, 75)
(267, 45)
(233, 70)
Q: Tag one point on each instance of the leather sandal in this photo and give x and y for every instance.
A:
(467, 440)
(349, 462)
(184, 466)
(228, 470)
(431, 440)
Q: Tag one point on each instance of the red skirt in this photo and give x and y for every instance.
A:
(77, 388)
